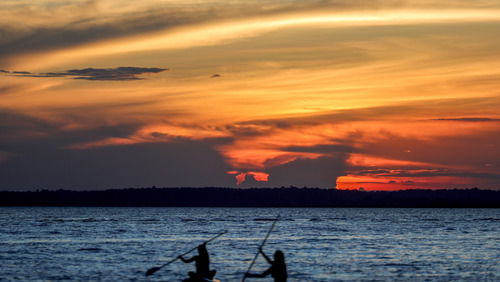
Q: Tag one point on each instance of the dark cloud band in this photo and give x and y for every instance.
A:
(113, 74)
(475, 119)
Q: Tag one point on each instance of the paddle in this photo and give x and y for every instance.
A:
(154, 269)
(261, 245)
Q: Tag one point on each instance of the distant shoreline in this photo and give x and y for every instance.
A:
(254, 197)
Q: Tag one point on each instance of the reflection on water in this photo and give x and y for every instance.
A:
(319, 244)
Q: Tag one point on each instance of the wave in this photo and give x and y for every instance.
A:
(489, 219)
(90, 250)
(264, 219)
(149, 220)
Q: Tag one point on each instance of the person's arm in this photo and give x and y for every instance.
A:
(187, 260)
(266, 257)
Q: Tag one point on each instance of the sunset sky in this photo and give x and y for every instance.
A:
(383, 95)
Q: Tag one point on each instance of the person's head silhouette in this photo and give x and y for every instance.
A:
(202, 249)
(279, 257)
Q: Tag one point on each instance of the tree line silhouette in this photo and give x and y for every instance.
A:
(254, 197)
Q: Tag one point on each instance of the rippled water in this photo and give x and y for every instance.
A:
(114, 244)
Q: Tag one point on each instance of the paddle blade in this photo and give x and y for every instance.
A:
(152, 270)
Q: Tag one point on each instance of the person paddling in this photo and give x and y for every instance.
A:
(277, 269)
(202, 262)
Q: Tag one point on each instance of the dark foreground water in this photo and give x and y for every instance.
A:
(120, 244)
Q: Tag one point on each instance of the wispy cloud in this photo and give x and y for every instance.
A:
(28, 27)
(469, 119)
(114, 74)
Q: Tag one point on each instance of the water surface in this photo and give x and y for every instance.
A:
(320, 244)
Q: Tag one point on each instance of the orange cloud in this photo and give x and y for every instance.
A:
(241, 176)
(156, 133)
(360, 160)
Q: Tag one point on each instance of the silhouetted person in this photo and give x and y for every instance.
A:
(202, 262)
(277, 269)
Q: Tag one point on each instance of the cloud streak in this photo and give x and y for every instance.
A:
(47, 28)
(28, 27)
(112, 74)
(469, 119)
